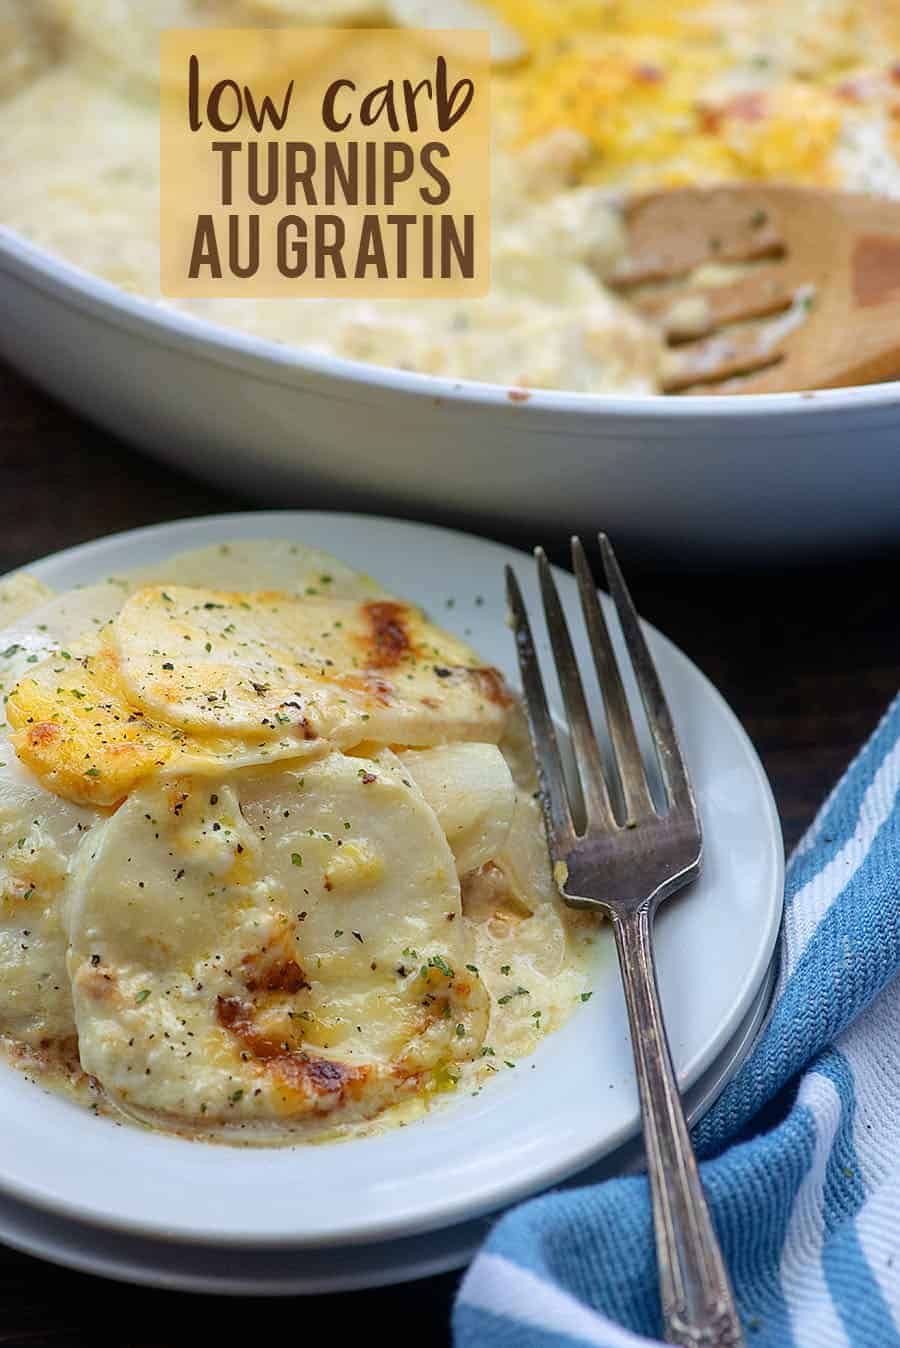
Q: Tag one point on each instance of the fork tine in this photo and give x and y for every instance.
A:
(584, 741)
(659, 717)
(554, 797)
(629, 764)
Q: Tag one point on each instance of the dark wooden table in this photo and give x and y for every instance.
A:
(808, 657)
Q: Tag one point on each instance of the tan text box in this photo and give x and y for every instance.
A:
(325, 162)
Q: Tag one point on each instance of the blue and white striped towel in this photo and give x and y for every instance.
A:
(801, 1152)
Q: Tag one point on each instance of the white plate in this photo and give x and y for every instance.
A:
(288, 1272)
(552, 1115)
(787, 471)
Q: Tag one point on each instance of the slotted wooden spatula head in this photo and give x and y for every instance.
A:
(806, 292)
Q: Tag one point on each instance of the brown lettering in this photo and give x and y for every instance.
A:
(263, 196)
(371, 173)
(393, 174)
(410, 95)
(380, 100)
(428, 247)
(205, 252)
(293, 253)
(267, 110)
(227, 149)
(451, 247)
(401, 224)
(428, 194)
(371, 249)
(448, 114)
(235, 266)
(214, 105)
(295, 176)
(341, 171)
(330, 249)
(194, 121)
(328, 113)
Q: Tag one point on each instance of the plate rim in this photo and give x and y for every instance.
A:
(449, 1211)
(60, 1247)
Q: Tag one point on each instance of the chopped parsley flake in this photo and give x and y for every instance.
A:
(438, 962)
(519, 992)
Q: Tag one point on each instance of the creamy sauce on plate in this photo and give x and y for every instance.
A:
(272, 867)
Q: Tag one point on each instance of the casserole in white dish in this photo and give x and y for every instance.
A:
(787, 472)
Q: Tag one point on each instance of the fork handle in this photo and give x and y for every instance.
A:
(697, 1301)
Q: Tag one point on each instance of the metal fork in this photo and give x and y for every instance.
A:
(625, 868)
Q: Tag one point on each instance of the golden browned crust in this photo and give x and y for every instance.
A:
(387, 641)
(295, 1068)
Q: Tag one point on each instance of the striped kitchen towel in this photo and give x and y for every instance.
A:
(801, 1153)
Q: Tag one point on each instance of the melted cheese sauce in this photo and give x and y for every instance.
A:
(601, 99)
(262, 935)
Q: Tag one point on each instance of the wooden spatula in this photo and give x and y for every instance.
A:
(822, 286)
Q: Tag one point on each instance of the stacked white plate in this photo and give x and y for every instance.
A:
(109, 1198)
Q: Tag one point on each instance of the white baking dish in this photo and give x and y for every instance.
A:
(780, 473)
